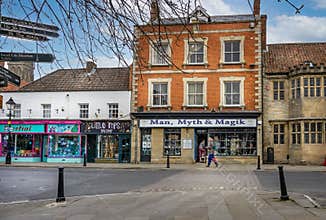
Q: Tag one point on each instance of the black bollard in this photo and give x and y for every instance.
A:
(60, 196)
(284, 194)
(84, 160)
(8, 158)
(258, 162)
(168, 160)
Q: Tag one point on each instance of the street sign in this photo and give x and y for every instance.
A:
(28, 23)
(12, 77)
(3, 81)
(23, 35)
(33, 57)
(28, 30)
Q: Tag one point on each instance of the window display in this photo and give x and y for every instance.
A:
(172, 142)
(64, 146)
(109, 146)
(22, 145)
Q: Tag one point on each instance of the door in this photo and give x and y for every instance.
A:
(270, 155)
(146, 145)
(91, 148)
(45, 148)
(124, 149)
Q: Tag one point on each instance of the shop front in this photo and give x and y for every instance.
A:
(108, 141)
(41, 141)
(189, 137)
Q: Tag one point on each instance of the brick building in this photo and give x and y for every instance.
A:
(196, 86)
(295, 103)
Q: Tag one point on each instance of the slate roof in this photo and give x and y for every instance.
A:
(280, 57)
(213, 19)
(103, 79)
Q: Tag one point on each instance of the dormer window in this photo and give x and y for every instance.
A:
(199, 15)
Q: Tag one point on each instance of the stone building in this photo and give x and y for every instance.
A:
(294, 103)
(196, 87)
(23, 69)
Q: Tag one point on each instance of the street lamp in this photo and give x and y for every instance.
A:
(10, 106)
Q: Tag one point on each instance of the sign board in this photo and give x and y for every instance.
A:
(187, 144)
(3, 81)
(106, 127)
(29, 30)
(63, 128)
(27, 36)
(22, 128)
(197, 123)
(33, 57)
(12, 77)
(28, 23)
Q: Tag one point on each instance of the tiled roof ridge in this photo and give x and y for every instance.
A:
(297, 43)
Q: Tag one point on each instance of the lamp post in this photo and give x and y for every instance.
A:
(10, 106)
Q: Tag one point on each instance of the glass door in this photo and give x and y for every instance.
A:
(124, 149)
(146, 145)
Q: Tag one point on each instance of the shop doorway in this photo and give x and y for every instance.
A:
(124, 149)
(146, 145)
(45, 147)
(91, 148)
(201, 143)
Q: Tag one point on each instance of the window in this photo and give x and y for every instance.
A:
(83, 110)
(278, 132)
(159, 92)
(292, 89)
(113, 110)
(195, 52)
(16, 111)
(232, 51)
(313, 132)
(232, 91)
(295, 88)
(278, 90)
(172, 142)
(312, 86)
(296, 133)
(324, 85)
(46, 108)
(298, 93)
(195, 93)
(160, 53)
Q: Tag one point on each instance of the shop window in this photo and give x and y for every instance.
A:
(46, 108)
(64, 146)
(146, 144)
(278, 133)
(113, 110)
(83, 110)
(160, 53)
(232, 142)
(278, 90)
(172, 142)
(313, 132)
(22, 145)
(109, 147)
(17, 111)
(296, 133)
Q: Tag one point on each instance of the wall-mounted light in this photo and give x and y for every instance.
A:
(98, 111)
(29, 111)
(57, 110)
(62, 109)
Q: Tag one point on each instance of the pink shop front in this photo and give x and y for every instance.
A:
(58, 141)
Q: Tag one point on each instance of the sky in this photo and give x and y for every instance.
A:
(283, 26)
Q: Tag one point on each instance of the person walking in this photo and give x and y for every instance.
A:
(211, 157)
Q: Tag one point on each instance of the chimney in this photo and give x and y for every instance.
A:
(256, 7)
(90, 67)
(154, 11)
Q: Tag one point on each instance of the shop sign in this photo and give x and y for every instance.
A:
(197, 123)
(106, 127)
(22, 128)
(63, 128)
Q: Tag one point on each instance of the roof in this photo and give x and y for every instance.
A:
(213, 19)
(12, 87)
(280, 57)
(103, 79)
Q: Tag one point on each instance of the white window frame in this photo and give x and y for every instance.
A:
(150, 91)
(186, 50)
(232, 38)
(153, 51)
(186, 82)
(46, 112)
(80, 110)
(113, 106)
(17, 111)
(222, 91)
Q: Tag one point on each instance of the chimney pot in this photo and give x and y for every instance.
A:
(257, 7)
(90, 65)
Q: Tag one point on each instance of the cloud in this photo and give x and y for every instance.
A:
(219, 7)
(321, 4)
(297, 29)
(104, 61)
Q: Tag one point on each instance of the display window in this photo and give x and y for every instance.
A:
(230, 142)
(64, 146)
(22, 145)
(109, 147)
(172, 142)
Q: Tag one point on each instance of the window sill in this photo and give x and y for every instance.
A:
(195, 64)
(184, 107)
(232, 106)
(168, 107)
(159, 65)
(221, 64)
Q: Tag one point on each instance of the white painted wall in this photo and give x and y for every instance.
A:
(65, 105)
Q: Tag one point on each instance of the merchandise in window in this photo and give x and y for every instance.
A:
(232, 142)
(232, 51)
(146, 142)
(172, 142)
(160, 94)
(196, 52)
(64, 146)
(22, 145)
(109, 146)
